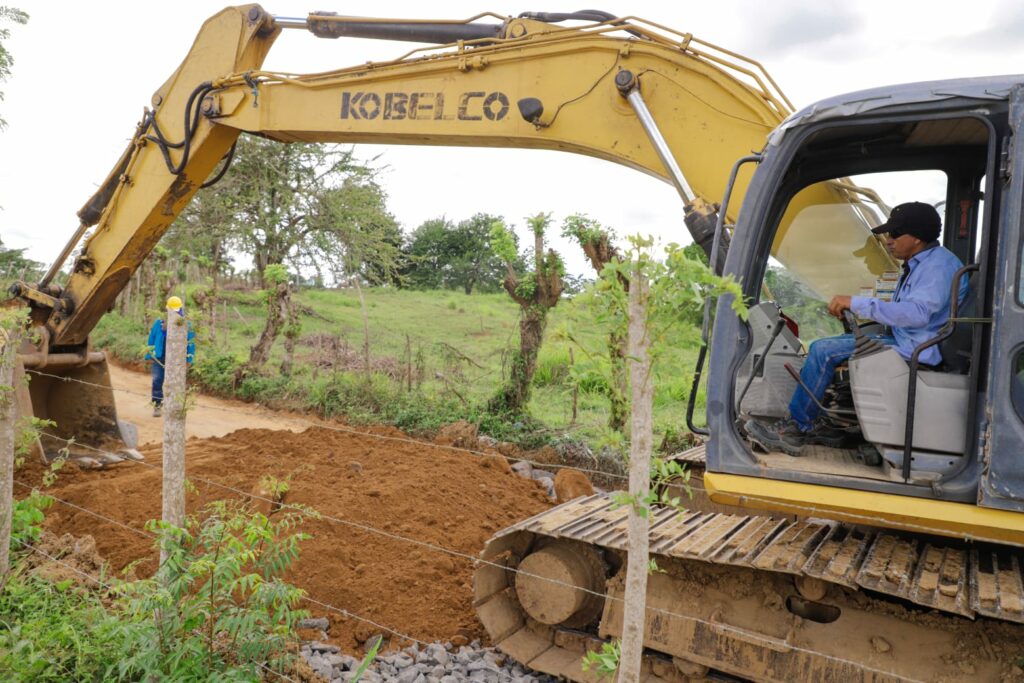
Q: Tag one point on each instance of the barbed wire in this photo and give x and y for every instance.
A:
(357, 432)
(717, 626)
(345, 612)
(89, 512)
(810, 510)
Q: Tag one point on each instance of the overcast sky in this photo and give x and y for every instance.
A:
(84, 71)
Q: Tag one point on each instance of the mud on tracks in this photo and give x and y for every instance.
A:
(413, 490)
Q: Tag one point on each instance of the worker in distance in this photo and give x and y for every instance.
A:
(918, 309)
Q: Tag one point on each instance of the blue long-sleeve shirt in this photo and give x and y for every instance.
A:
(920, 306)
(157, 342)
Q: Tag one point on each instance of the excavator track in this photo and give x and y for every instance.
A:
(766, 598)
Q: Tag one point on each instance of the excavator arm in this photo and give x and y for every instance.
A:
(620, 89)
(497, 82)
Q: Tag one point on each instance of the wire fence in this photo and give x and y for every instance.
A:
(745, 634)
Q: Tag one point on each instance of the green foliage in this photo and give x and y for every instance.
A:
(443, 255)
(603, 662)
(275, 274)
(503, 242)
(27, 519)
(6, 60)
(585, 230)
(52, 632)
(216, 608)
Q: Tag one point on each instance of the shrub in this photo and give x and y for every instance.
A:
(215, 609)
(52, 632)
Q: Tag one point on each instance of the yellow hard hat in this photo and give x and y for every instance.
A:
(174, 303)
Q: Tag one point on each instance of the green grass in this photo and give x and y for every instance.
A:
(454, 345)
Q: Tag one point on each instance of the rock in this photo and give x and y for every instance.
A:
(320, 624)
(880, 644)
(409, 675)
(324, 669)
(355, 467)
(459, 640)
(572, 484)
(324, 647)
(402, 661)
(523, 469)
(541, 475)
(436, 654)
(484, 441)
(372, 641)
(336, 661)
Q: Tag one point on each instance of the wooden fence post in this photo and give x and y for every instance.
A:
(9, 341)
(175, 365)
(641, 441)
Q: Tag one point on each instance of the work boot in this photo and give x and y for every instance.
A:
(156, 410)
(782, 435)
(824, 433)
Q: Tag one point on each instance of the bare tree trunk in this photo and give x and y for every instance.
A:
(277, 304)
(292, 329)
(8, 412)
(619, 389)
(174, 423)
(641, 441)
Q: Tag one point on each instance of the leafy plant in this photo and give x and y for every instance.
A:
(51, 632)
(27, 518)
(603, 662)
(216, 608)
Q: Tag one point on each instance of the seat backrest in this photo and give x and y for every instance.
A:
(956, 350)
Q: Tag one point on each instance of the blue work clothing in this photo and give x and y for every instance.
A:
(157, 343)
(823, 357)
(158, 383)
(920, 306)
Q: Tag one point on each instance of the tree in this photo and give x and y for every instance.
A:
(13, 263)
(596, 242)
(443, 255)
(6, 60)
(305, 205)
(536, 292)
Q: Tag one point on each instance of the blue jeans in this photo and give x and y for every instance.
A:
(823, 357)
(157, 368)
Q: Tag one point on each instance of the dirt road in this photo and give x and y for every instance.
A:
(212, 416)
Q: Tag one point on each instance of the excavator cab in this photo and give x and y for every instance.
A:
(924, 432)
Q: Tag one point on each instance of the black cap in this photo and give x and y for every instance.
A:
(913, 218)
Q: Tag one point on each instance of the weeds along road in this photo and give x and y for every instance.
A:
(209, 416)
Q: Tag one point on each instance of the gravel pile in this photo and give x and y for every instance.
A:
(435, 663)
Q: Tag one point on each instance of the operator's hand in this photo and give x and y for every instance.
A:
(839, 304)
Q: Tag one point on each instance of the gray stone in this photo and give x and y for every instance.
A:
(523, 469)
(402, 661)
(435, 654)
(372, 641)
(541, 474)
(477, 665)
(409, 675)
(336, 661)
(482, 676)
(320, 624)
(324, 669)
(324, 647)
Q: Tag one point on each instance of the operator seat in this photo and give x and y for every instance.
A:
(879, 378)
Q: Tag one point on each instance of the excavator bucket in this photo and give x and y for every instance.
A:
(75, 399)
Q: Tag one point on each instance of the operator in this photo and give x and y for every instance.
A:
(156, 351)
(919, 308)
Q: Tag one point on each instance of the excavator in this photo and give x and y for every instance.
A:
(895, 558)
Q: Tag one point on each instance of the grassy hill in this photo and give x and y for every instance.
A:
(436, 356)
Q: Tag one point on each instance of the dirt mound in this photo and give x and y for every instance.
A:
(67, 558)
(439, 498)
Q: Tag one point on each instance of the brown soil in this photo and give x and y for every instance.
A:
(418, 491)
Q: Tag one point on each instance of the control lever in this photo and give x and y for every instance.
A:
(836, 413)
